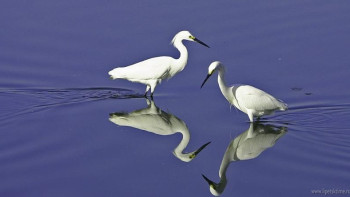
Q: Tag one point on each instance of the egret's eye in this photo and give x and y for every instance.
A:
(191, 37)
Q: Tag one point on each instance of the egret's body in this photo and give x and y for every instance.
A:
(153, 71)
(248, 99)
(248, 145)
(155, 120)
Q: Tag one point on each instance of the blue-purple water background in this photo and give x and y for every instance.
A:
(55, 96)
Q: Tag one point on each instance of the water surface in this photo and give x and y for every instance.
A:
(57, 101)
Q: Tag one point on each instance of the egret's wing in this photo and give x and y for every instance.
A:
(253, 98)
(154, 68)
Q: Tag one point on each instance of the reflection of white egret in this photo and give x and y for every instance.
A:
(153, 119)
(248, 145)
(152, 71)
(248, 99)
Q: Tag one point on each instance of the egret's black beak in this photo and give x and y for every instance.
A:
(205, 80)
(210, 182)
(201, 148)
(200, 42)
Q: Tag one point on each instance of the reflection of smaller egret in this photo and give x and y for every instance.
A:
(248, 99)
(154, 120)
(152, 71)
(248, 145)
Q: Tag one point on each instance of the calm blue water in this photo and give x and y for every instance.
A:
(60, 114)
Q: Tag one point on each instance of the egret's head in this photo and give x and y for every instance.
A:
(187, 157)
(211, 69)
(186, 35)
(213, 187)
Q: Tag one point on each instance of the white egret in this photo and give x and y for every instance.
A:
(248, 145)
(152, 71)
(250, 100)
(155, 120)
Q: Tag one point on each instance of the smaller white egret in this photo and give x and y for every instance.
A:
(152, 71)
(250, 100)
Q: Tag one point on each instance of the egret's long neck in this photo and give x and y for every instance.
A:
(222, 84)
(183, 144)
(182, 61)
(220, 187)
(223, 167)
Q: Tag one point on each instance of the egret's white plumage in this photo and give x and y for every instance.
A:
(250, 100)
(152, 71)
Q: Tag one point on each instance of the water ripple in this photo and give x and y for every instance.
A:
(318, 116)
(323, 124)
(16, 102)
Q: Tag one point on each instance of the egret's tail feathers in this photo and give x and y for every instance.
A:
(116, 73)
(117, 114)
(283, 106)
(111, 77)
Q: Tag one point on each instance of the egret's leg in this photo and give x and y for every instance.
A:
(152, 93)
(250, 115)
(148, 102)
(147, 88)
(153, 87)
(250, 133)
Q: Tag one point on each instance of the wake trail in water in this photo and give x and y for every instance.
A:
(313, 122)
(315, 116)
(323, 124)
(17, 102)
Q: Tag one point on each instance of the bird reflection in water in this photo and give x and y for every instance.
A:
(249, 145)
(155, 120)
